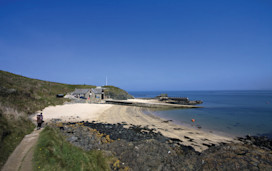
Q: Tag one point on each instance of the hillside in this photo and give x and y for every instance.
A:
(29, 95)
(21, 96)
(117, 93)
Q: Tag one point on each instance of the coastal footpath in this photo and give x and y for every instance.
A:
(20, 97)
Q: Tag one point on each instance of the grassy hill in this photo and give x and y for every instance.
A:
(116, 93)
(29, 95)
(21, 96)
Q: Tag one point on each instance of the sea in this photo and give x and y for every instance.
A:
(234, 113)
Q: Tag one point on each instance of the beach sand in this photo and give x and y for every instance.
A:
(106, 113)
(74, 112)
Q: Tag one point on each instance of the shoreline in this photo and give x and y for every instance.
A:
(198, 139)
(131, 115)
(190, 126)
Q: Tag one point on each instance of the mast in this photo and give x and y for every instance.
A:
(106, 80)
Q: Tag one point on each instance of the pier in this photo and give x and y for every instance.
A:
(148, 103)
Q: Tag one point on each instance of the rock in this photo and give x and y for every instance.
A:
(140, 148)
(72, 138)
(263, 142)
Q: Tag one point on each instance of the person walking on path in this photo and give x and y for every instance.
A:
(39, 122)
(41, 115)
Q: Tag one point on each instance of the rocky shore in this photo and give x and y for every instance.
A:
(141, 148)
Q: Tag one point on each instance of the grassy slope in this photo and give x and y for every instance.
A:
(29, 95)
(22, 96)
(54, 153)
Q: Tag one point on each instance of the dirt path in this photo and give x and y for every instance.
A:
(21, 158)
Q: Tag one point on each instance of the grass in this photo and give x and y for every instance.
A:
(117, 93)
(30, 95)
(24, 95)
(53, 152)
(12, 131)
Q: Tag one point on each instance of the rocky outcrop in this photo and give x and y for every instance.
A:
(141, 148)
(262, 141)
(236, 157)
(136, 147)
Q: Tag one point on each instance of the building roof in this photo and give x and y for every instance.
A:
(97, 90)
(81, 91)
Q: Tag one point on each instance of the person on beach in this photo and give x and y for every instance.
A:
(39, 122)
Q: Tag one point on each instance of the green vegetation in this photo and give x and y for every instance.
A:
(30, 95)
(21, 96)
(12, 131)
(164, 95)
(116, 93)
(53, 152)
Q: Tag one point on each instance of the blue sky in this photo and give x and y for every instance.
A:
(140, 45)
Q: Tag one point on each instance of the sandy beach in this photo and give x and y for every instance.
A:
(107, 113)
(74, 112)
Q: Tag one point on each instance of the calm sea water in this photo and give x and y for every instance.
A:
(235, 113)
